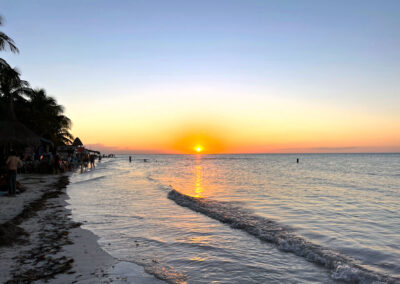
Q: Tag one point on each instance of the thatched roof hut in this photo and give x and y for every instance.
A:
(13, 132)
(77, 142)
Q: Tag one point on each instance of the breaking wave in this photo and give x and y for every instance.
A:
(342, 267)
(166, 273)
(89, 179)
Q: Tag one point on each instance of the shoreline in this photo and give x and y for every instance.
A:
(39, 241)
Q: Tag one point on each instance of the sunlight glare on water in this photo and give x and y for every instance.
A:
(345, 207)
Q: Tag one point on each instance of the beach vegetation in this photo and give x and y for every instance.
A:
(12, 89)
(50, 121)
(32, 107)
(5, 41)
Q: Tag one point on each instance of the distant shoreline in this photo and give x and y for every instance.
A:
(305, 153)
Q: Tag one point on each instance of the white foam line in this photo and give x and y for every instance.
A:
(342, 268)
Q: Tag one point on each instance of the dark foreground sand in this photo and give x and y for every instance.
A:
(40, 243)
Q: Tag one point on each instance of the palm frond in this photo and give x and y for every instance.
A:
(4, 64)
(6, 41)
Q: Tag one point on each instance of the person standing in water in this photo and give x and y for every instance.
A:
(92, 162)
(130, 159)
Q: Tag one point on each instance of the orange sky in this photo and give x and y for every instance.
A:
(246, 125)
(231, 76)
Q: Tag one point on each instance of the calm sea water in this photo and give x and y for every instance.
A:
(247, 218)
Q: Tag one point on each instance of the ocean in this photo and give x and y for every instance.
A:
(331, 218)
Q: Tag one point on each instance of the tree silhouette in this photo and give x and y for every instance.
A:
(33, 108)
(5, 41)
(45, 117)
(11, 88)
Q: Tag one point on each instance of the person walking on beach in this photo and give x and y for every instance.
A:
(92, 162)
(85, 162)
(57, 162)
(75, 161)
(13, 163)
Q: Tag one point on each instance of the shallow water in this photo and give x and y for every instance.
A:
(248, 218)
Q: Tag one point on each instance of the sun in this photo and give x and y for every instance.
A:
(198, 148)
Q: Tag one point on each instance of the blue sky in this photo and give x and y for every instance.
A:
(343, 55)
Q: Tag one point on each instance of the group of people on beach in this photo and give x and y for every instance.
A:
(46, 163)
(89, 160)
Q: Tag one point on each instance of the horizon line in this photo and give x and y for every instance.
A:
(280, 153)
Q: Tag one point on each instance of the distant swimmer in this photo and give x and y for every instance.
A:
(130, 159)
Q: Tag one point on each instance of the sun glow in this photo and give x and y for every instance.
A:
(198, 149)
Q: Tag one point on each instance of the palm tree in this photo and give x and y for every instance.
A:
(6, 41)
(11, 88)
(40, 112)
(10, 81)
(47, 118)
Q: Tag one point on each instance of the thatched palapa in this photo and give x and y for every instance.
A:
(14, 132)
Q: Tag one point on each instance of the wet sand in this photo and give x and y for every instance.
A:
(39, 242)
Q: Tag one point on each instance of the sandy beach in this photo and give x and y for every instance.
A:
(200, 142)
(39, 242)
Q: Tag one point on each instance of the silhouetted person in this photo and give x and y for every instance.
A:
(297, 160)
(57, 162)
(92, 161)
(13, 163)
(85, 161)
(130, 159)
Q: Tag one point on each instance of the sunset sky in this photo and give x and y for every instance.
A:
(229, 76)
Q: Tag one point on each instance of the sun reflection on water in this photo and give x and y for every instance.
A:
(199, 175)
(199, 178)
(197, 258)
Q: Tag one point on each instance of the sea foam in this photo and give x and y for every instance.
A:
(342, 267)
